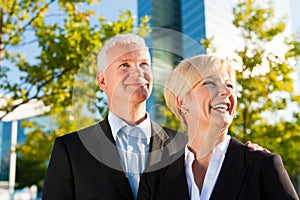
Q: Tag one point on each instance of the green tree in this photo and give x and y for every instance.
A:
(34, 153)
(266, 84)
(62, 40)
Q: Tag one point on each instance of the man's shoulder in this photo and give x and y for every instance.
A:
(73, 136)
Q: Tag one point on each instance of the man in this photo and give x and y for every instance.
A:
(105, 161)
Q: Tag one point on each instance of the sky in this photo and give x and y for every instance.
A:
(112, 8)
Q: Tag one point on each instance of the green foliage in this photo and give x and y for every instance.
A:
(31, 162)
(165, 116)
(266, 84)
(63, 47)
(64, 40)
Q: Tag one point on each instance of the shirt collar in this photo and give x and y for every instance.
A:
(222, 147)
(116, 123)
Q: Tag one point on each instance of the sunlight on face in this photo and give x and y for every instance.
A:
(128, 76)
(212, 102)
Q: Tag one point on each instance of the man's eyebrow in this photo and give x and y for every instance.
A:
(124, 60)
(129, 60)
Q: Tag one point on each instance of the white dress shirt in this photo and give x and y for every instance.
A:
(133, 146)
(212, 172)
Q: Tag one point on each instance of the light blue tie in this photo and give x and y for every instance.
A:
(131, 142)
(136, 155)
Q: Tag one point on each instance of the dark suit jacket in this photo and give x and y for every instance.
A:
(245, 174)
(86, 164)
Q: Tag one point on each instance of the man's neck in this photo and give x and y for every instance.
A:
(132, 115)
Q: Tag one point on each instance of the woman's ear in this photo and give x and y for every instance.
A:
(182, 105)
(101, 79)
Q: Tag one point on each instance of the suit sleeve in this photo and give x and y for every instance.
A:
(58, 183)
(274, 174)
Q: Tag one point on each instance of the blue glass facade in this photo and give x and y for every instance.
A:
(184, 16)
(193, 25)
(5, 142)
(180, 16)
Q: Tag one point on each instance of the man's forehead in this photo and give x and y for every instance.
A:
(125, 51)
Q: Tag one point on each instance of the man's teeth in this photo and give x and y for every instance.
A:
(220, 106)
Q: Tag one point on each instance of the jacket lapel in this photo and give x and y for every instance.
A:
(158, 139)
(99, 141)
(167, 156)
(232, 172)
(174, 178)
(163, 149)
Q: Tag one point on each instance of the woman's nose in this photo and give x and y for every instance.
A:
(224, 91)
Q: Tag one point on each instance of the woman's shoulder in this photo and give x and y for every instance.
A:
(255, 156)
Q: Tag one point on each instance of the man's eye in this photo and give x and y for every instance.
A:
(146, 65)
(124, 65)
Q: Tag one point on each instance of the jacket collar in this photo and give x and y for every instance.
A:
(233, 171)
(98, 140)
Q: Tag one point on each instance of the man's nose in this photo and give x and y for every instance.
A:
(137, 71)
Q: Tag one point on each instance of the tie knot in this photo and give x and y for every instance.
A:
(134, 132)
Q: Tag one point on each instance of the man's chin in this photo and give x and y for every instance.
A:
(139, 96)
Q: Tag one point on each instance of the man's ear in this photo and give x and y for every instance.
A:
(182, 105)
(101, 79)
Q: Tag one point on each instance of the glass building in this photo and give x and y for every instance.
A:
(5, 143)
(181, 25)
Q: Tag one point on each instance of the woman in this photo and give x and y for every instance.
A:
(201, 93)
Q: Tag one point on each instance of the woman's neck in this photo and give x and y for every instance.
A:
(202, 141)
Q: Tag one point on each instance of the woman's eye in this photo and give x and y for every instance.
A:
(208, 83)
(230, 86)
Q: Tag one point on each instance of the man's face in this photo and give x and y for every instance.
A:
(128, 77)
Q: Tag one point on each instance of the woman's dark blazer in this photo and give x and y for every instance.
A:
(86, 165)
(245, 174)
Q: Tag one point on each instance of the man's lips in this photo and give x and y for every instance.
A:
(137, 83)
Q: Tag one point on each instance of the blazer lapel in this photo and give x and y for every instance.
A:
(158, 139)
(232, 172)
(163, 149)
(99, 141)
(175, 178)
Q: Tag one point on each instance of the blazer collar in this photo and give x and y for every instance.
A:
(175, 175)
(98, 140)
(164, 149)
(233, 171)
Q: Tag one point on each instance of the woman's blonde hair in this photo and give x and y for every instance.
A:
(188, 74)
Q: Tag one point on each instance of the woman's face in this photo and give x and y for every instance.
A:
(212, 101)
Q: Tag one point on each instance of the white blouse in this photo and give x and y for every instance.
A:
(212, 173)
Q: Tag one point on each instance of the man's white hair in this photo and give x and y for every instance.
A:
(128, 38)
